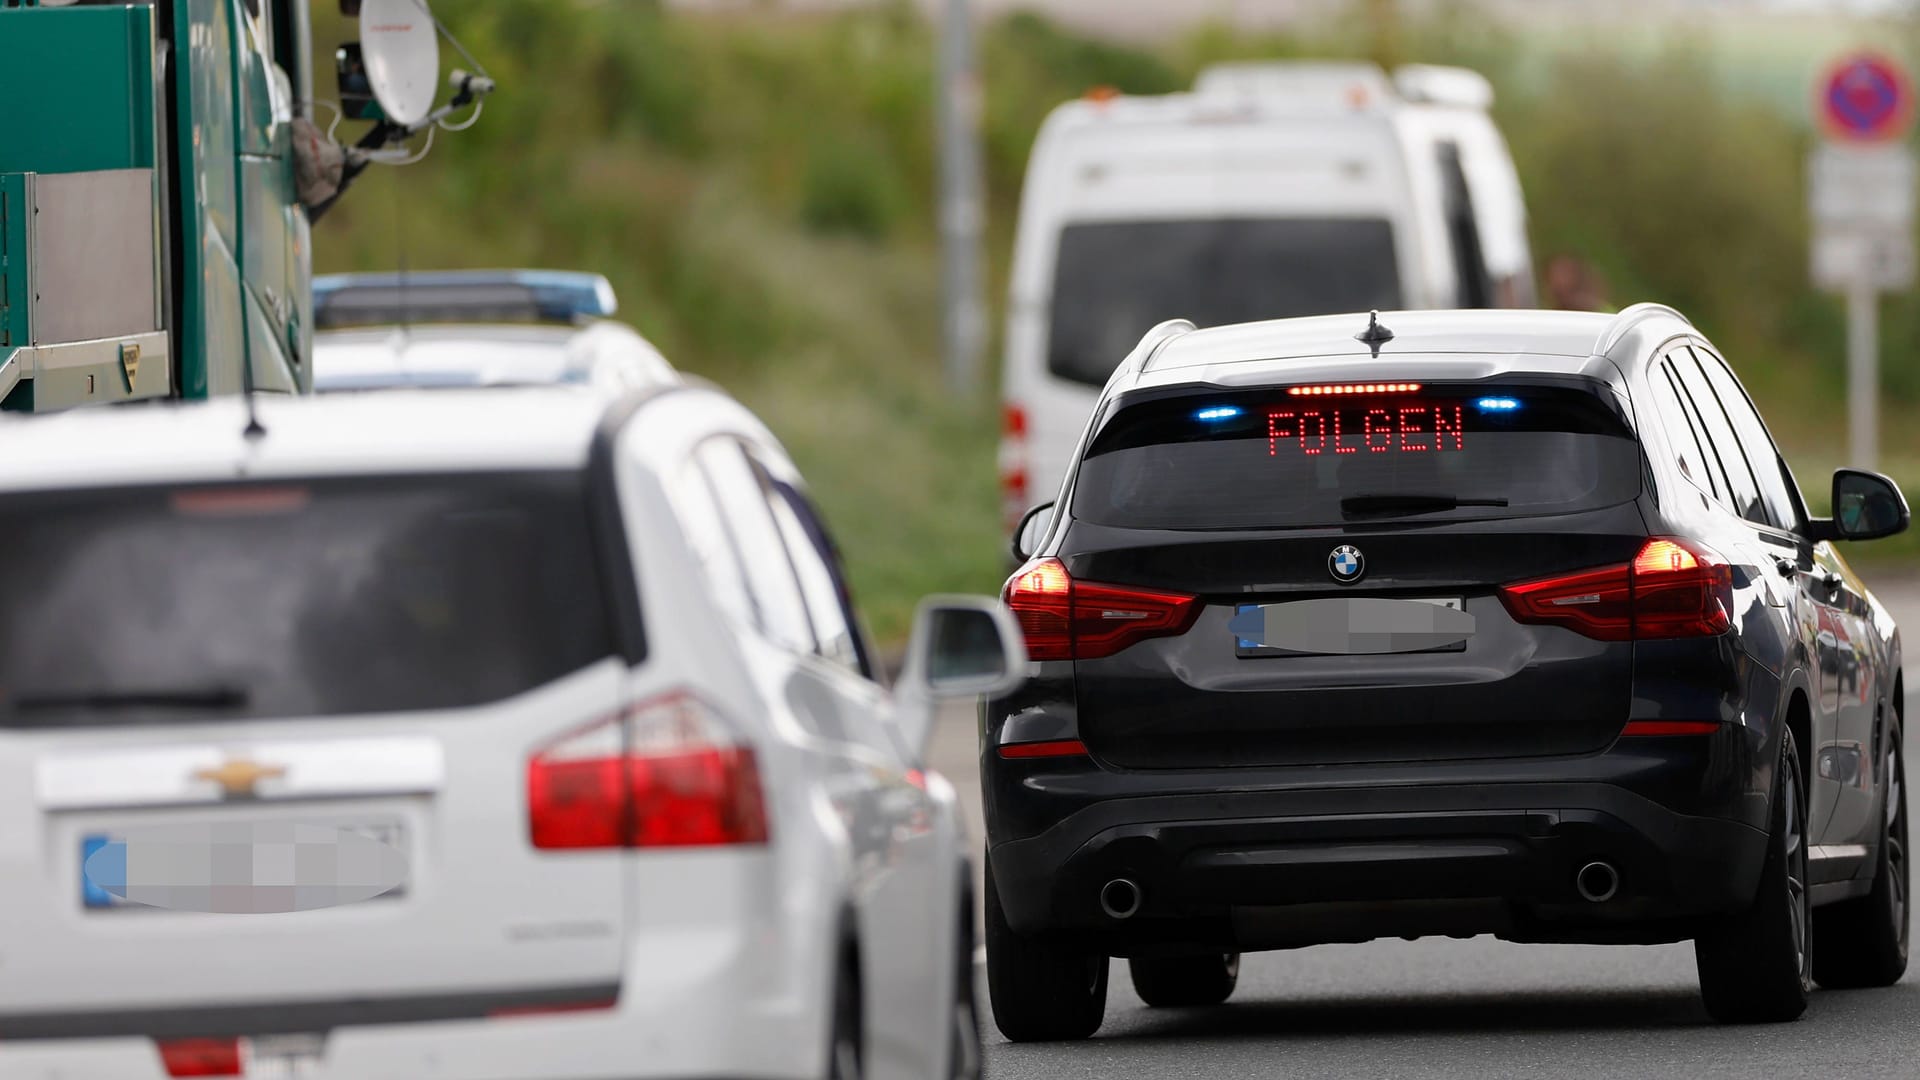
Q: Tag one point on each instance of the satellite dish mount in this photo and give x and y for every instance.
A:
(391, 76)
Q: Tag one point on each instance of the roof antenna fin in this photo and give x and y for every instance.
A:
(1374, 335)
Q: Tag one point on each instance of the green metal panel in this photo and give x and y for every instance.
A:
(211, 336)
(78, 82)
(15, 332)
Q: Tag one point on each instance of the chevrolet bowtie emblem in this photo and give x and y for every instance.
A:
(238, 777)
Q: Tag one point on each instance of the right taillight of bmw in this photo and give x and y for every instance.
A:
(1064, 619)
(1674, 588)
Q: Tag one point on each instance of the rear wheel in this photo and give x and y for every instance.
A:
(846, 1052)
(1174, 982)
(1754, 966)
(1863, 942)
(965, 1057)
(1042, 988)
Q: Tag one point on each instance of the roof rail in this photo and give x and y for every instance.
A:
(460, 296)
(1630, 318)
(1154, 340)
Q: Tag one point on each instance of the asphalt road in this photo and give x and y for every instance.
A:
(1470, 1009)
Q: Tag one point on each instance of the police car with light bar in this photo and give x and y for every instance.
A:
(476, 328)
(1433, 623)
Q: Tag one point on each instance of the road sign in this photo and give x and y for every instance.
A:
(1860, 186)
(1867, 186)
(1866, 97)
(1846, 259)
(1861, 198)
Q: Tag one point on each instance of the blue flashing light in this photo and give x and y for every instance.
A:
(1496, 404)
(1219, 412)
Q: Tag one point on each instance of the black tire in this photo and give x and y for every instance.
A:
(1863, 942)
(1042, 989)
(1755, 965)
(846, 1051)
(1181, 982)
(966, 1056)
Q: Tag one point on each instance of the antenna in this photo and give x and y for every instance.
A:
(1374, 335)
(254, 429)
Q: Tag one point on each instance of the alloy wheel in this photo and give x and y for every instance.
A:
(1793, 838)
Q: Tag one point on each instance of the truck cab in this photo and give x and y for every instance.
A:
(152, 243)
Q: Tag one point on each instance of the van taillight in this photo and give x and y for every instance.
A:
(201, 1057)
(1064, 619)
(1673, 588)
(669, 772)
(1014, 496)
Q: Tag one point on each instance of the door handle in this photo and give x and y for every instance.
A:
(1783, 566)
(1831, 580)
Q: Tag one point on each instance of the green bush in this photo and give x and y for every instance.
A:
(850, 187)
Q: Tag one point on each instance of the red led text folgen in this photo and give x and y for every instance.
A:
(1379, 429)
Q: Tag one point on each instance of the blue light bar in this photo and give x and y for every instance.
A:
(1496, 404)
(1218, 412)
(461, 296)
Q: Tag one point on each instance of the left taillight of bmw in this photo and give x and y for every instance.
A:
(1065, 619)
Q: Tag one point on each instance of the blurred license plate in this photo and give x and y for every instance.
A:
(281, 1057)
(94, 898)
(1245, 648)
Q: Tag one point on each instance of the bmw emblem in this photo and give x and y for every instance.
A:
(1346, 564)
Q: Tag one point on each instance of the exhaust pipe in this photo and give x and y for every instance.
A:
(1120, 898)
(1597, 882)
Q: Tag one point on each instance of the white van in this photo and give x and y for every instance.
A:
(1270, 190)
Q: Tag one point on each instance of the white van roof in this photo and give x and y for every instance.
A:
(1330, 86)
(1345, 85)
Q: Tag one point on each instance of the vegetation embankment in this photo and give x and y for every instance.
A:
(760, 190)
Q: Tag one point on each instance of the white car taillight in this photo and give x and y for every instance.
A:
(668, 772)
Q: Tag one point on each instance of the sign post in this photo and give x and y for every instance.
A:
(1861, 195)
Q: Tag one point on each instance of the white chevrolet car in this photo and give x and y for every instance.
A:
(468, 733)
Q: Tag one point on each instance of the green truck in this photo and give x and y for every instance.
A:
(153, 238)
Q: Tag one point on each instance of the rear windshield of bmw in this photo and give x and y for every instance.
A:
(1351, 453)
(298, 598)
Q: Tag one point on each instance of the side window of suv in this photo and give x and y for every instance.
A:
(817, 568)
(779, 610)
(692, 497)
(1762, 455)
(1689, 448)
(1720, 437)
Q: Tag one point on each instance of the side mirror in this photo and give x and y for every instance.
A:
(1866, 506)
(1031, 530)
(962, 647)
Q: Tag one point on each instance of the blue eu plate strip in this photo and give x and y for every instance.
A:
(111, 868)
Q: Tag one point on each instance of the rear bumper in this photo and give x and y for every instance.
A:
(1254, 870)
(738, 1036)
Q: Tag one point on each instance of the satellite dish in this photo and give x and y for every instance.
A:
(402, 51)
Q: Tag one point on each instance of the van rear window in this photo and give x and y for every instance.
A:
(1114, 281)
(321, 597)
(1342, 454)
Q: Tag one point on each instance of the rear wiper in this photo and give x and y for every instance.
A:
(189, 697)
(1409, 504)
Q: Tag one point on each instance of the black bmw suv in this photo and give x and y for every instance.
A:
(1441, 623)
